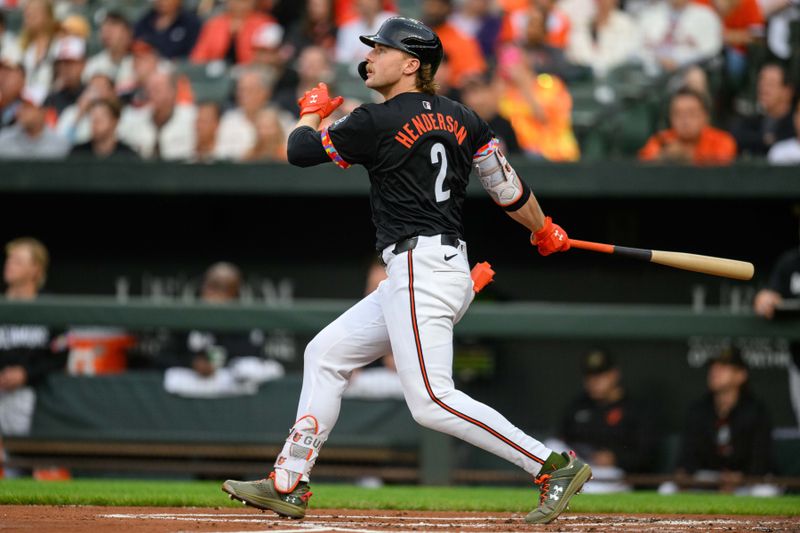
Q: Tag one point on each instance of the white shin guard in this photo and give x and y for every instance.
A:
(299, 454)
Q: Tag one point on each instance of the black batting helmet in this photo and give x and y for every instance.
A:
(410, 36)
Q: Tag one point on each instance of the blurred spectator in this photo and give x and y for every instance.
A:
(315, 28)
(36, 42)
(559, 25)
(104, 117)
(557, 22)
(541, 56)
(691, 139)
(481, 95)
(228, 36)
(539, 108)
(481, 21)
(270, 143)
(222, 363)
(146, 62)
(695, 78)
(269, 53)
(349, 48)
(755, 135)
(9, 43)
(206, 126)
(345, 11)
(742, 25)
(463, 53)
(727, 431)
(115, 60)
(313, 66)
(30, 138)
(781, 14)
(12, 81)
(70, 60)
(73, 123)
(172, 29)
(613, 430)
(76, 26)
(679, 33)
(607, 40)
(28, 352)
(787, 151)
(163, 128)
(237, 133)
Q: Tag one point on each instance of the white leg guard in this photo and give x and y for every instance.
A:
(298, 455)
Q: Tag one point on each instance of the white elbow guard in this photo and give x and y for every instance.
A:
(501, 181)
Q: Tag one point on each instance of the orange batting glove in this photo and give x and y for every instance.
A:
(318, 101)
(550, 239)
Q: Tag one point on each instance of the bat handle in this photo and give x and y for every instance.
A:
(593, 246)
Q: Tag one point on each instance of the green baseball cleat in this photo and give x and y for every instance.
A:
(262, 494)
(557, 488)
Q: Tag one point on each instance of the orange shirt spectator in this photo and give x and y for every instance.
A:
(539, 109)
(713, 147)
(740, 20)
(463, 54)
(514, 23)
(691, 139)
(345, 11)
(215, 37)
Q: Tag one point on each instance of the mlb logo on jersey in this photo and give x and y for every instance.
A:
(426, 105)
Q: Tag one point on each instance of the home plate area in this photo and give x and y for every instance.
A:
(394, 521)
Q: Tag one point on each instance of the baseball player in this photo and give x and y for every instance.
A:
(419, 150)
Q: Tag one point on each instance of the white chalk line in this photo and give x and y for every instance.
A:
(158, 516)
(348, 523)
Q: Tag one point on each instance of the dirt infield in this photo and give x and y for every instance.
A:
(68, 519)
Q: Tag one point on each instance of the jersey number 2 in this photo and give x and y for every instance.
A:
(438, 155)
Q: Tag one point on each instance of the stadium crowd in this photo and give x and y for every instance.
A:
(206, 80)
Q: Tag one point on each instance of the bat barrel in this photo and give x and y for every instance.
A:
(717, 266)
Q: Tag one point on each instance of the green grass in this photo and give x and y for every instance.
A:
(208, 494)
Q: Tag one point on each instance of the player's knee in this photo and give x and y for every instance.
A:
(424, 411)
(313, 353)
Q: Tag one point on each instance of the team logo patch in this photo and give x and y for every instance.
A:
(339, 121)
(426, 105)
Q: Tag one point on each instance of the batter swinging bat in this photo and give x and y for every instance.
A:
(716, 266)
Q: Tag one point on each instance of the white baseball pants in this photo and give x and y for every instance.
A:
(411, 314)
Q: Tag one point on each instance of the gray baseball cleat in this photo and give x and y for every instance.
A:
(557, 488)
(263, 495)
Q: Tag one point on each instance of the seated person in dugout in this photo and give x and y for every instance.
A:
(29, 352)
(608, 426)
(219, 363)
(727, 435)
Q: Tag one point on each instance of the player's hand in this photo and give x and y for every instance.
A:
(551, 238)
(318, 101)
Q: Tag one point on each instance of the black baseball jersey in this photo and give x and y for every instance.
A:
(418, 150)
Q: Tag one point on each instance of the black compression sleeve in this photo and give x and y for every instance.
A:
(305, 149)
(523, 198)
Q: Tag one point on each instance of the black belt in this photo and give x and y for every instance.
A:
(411, 243)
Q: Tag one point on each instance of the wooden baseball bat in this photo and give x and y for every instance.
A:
(716, 266)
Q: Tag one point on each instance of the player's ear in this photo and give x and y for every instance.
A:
(412, 65)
